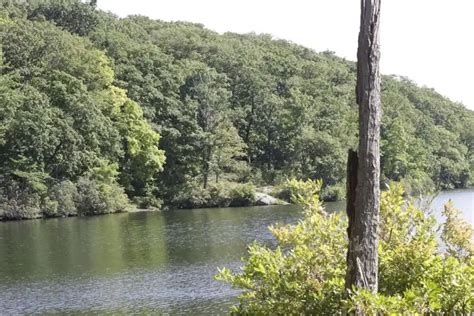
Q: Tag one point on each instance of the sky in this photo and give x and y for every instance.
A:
(429, 41)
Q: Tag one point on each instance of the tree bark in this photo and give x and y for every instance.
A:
(351, 188)
(362, 259)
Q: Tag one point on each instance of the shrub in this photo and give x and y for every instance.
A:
(305, 273)
(114, 197)
(334, 192)
(21, 195)
(219, 195)
(290, 189)
(95, 198)
(149, 201)
(222, 194)
(418, 183)
(49, 208)
(64, 194)
(242, 194)
(457, 233)
(22, 205)
(281, 192)
(286, 190)
(191, 196)
(89, 200)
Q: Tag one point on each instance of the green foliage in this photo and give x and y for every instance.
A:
(79, 86)
(305, 273)
(243, 194)
(227, 153)
(97, 198)
(71, 15)
(291, 107)
(445, 288)
(142, 159)
(21, 195)
(62, 117)
(289, 188)
(222, 194)
(99, 193)
(64, 194)
(334, 192)
(305, 193)
(457, 233)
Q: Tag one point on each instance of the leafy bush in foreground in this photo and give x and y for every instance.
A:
(305, 273)
(286, 190)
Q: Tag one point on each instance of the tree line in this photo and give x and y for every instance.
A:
(97, 110)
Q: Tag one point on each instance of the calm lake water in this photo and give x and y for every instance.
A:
(160, 263)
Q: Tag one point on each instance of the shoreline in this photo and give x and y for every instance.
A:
(137, 209)
(268, 201)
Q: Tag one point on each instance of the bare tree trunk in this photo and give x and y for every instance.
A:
(362, 259)
(352, 161)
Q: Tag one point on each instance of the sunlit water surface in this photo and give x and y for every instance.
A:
(147, 262)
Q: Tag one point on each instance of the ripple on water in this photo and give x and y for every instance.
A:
(151, 263)
(178, 290)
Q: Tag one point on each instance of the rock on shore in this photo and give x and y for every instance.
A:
(265, 199)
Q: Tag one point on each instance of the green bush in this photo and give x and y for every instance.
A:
(418, 183)
(23, 205)
(305, 273)
(114, 197)
(191, 196)
(219, 195)
(287, 189)
(25, 195)
(64, 194)
(242, 194)
(222, 194)
(334, 192)
(456, 233)
(95, 198)
(148, 201)
(89, 200)
(281, 192)
(21, 195)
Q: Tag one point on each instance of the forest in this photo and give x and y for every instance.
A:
(99, 114)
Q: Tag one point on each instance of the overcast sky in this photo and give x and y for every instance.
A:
(429, 41)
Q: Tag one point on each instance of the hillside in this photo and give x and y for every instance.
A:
(91, 105)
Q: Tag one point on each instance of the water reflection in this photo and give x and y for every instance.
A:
(140, 262)
(151, 261)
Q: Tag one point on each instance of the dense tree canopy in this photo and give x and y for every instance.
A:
(63, 119)
(82, 89)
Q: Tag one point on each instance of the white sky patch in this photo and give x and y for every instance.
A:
(429, 41)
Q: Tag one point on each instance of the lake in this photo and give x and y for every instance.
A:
(146, 262)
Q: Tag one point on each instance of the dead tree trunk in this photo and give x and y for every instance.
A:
(362, 259)
(351, 188)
